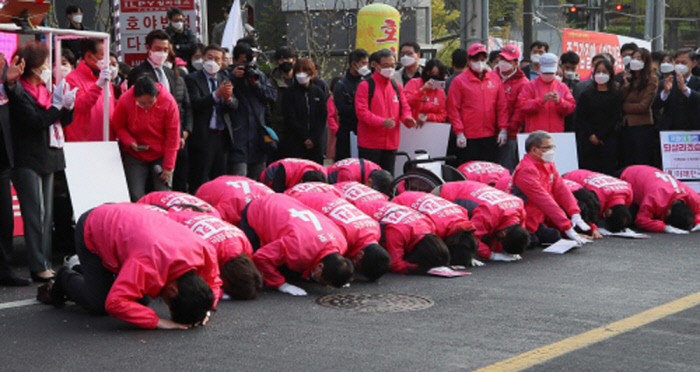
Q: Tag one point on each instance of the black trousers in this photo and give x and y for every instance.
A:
(207, 158)
(7, 222)
(384, 158)
(342, 144)
(182, 169)
(639, 145)
(599, 158)
(483, 149)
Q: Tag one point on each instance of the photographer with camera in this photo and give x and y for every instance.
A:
(253, 92)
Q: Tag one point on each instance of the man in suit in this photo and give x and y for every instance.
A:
(680, 95)
(537, 49)
(157, 47)
(211, 96)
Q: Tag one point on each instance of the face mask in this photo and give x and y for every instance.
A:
(364, 70)
(535, 58)
(113, 72)
(602, 78)
(477, 67)
(65, 70)
(168, 64)
(547, 78)
(548, 156)
(211, 67)
(626, 60)
(636, 65)
(178, 25)
(570, 75)
(45, 76)
(78, 18)
(302, 78)
(158, 58)
(505, 66)
(558, 77)
(198, 64)
(407, 61)
(387, 72)
(285, 67)
(681, 69)
(666, 68)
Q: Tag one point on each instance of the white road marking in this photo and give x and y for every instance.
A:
(20, 303)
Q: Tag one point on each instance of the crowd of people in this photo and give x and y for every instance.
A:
(237, 156)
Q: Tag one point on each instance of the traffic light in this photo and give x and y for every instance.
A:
(573, 9)
(620, 7)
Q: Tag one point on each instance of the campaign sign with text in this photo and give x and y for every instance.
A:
(680, 156)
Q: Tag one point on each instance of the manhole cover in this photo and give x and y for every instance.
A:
(375, 302)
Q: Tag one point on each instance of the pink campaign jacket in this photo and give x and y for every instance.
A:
(491, 210)
(88, 121)
(483, 171)
(447, 216)
(545, 194)
(476, 107)
(230, 195)
(146, 250)
(547, 116)
(511, 89)
(177, 201)
(291, 234)
(294, 169)
(371, 133)
(313, 187)
(351, 169)
(158, 127)
(402, 228)
(654, 191)
(611, 191)
(431, 102)
(358, 228)
(356, 192)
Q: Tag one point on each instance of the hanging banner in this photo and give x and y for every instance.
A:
(680, 156)
(378, 28)
(589, 43)
(134, 19)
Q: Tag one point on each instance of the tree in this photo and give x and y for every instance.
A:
(445, 22)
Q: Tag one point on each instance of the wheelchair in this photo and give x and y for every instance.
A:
(424, 173)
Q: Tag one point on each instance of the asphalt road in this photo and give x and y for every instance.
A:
(500, 311)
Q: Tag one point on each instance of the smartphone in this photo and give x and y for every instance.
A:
(141, 147)
(439, 84)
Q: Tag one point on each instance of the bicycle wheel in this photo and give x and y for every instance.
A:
(451, 174)
(415, 180)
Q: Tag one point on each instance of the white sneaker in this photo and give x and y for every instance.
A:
(71, 261)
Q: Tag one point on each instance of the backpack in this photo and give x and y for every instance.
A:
(372, 84)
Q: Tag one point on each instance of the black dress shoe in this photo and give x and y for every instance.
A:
(38, 279)
(13, 281)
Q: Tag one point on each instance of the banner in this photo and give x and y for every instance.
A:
(134, 19)
(378, 28)
(589, 43)
(680, 156)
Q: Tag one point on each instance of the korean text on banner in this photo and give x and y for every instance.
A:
(680, 156)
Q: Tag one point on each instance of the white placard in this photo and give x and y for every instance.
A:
(562, 246)
(680, 156)
(433, 138)
(95, 175)
(566, 159)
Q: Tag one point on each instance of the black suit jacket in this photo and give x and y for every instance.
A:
(146, 68)
(203, 104)
(680, 112)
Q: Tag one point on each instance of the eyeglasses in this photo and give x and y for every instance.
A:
(547, 148)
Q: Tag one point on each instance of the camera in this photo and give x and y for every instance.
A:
(250, 71)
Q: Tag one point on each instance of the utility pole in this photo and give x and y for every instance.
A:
(659, 21)
(528, 12)
(485, 22)
(463, 24)
(649, 20)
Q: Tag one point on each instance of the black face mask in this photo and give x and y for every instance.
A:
(286, 67)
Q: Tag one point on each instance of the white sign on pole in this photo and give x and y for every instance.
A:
(566, 159)
(95, 175)
(433, 138)
(680, 156)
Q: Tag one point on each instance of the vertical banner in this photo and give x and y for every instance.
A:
(680, 156)
(134, 19)
(17, 214)
(378, 28)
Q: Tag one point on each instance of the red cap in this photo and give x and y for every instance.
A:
(510, 53)
(476, 48)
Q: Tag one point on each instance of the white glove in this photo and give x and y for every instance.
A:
(573, 235)
(673, 230)
(504, 257)
(57, 97)
(477, 263)
(69, 97)
(576, 220)
(461, 141)
(104, 78)
(502, 137)
(291, 289)
(696, 228)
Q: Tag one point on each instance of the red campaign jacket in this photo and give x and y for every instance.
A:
(146, 250)
(230, 195)
(228, 240)
(88, 120)
(476, 108)
(511, 89)
(356, 192)
(351, 169)
(491, 210)
(158, 127)
(371, 133)
(547, 116)
(402, 228)
(294, 169)
(483, 171)
(654, 191)
(313, 187)
(503, 183)
(173, 200)
(291, 234)
(545, 194)
(611, 191)
(572, 185)
(358, 228)
(431, 102)
(447, 216)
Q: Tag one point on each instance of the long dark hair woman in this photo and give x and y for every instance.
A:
(36, 121)
(639, 136)
(599, 111)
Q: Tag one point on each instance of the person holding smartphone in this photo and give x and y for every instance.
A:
(426, 94)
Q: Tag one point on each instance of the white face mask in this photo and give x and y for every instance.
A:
(505, 66)
(364, 70)
(558, 77)
(548, 156)
(407, 61)
(65, 70)
(387, 72)
(198, 64)
(78, 18)
(477, 67)
(302, 78)
(602, 78)
(168, 64)
(626, 60)
(211, 67)
(113, 72)
(570, 75)
(681, 69)
(535, 59)
(547, 78)
(158, 58)
(666, 68)
(178, 25)
(636, 65)
(45, 76)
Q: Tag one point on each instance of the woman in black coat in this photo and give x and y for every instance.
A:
(305, 115)
(36, 120)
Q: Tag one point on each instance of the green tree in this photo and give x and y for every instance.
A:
(445, 22)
